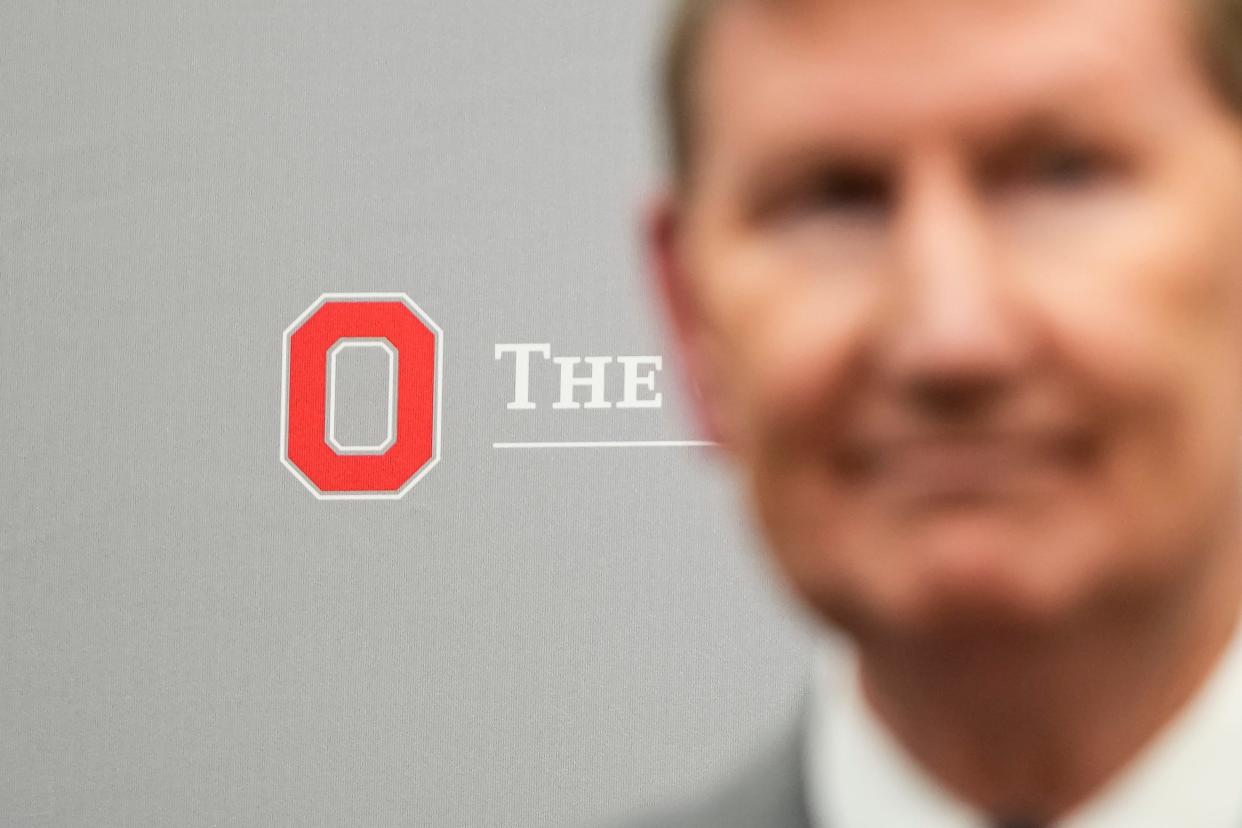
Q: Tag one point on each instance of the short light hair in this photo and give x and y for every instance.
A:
(1219, 24)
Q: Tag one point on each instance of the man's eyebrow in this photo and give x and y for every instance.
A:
(778, 171)
(872, 152)
(1055, 120)
(1035, 125)
(795, 162)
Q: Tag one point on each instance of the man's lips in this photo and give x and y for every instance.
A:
(963, 464)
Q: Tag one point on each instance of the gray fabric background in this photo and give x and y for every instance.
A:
(187, 637)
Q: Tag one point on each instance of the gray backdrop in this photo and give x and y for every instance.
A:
(187, 636)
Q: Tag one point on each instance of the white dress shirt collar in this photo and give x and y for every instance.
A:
(858, 775)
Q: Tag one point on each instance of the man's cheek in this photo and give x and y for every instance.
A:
(796, 507)
(1108, 342)
(1174, 267)
(800, 367)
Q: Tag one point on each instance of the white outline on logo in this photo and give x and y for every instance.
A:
(381, 344)
(438, 391)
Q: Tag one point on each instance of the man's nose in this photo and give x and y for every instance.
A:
(956, 339)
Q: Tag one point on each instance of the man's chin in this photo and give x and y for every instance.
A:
(965, 576)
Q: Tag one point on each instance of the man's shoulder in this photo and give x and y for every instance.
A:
(768, 792)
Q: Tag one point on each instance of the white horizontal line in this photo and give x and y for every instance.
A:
(620, 444)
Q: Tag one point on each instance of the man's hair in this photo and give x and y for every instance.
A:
(1219, 24)
(681, 56)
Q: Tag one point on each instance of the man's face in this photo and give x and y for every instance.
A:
(960, 282)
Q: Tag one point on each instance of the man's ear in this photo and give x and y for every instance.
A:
(676, 286)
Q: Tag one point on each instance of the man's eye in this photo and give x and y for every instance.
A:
(1061, 168)
(836, 194)
(850, 191)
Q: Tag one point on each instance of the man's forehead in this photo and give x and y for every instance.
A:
(917, 27)
(873, 61)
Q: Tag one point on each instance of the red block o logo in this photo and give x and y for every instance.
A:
(309, 448)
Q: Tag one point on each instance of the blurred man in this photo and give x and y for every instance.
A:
(959, 287)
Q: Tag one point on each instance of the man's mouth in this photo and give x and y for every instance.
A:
(965, 465)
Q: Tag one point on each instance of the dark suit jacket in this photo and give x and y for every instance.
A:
(769, 793)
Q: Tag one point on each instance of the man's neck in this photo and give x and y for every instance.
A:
(1036, 724)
